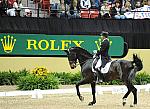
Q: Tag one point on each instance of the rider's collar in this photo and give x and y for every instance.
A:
(105, 39)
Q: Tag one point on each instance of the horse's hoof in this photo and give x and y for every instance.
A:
(133, 105)
(124, 102)
(81, 98)
(90, 104)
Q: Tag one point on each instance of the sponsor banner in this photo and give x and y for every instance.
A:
(139, 13)
(53, 45)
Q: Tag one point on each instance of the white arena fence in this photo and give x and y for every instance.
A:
(37, 93)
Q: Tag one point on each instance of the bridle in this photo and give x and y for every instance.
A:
(77, 63)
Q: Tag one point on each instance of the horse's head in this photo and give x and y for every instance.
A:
(72, 58)
(77, 53)
(137, 61)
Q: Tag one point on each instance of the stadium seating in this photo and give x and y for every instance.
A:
(94, 13)
(85, 13)
(89, 13)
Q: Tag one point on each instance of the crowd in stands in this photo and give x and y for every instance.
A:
(13, 8)
(101, 8)
(105, 9)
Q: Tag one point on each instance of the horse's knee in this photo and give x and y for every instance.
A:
(135, 90)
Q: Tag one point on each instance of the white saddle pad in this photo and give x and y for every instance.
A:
(106, 68)
(99, 63)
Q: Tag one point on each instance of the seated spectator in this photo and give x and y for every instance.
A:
(11, 11)
(55, 7)
(65, 7)
(105, 10)
(138, 4)
(3, 8)
(127, 7)
(74, 13)
(28, 13)
(55, 4)
(144, 2)
(95, 4)
(10, 3)
(67, 4)
(74, 4)
(148, 2)
(116, 11)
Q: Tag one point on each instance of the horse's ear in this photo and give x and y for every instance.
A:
(134, 56)
(66, 52)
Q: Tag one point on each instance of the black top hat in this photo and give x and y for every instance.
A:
(104, 33)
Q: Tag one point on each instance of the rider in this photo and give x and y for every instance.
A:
(103, 52)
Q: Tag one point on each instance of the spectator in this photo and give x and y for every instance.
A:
(71, 11)
(62, 5)
(116, 11)
(3, 7)
(74, 4)
(95, 4)
(55, 4)
(10, 3)
(74, 13)
(105, 10)
(144, 2)
(127, 7)
(28, 13)
(65, 7)
(138, 4)
(12, 11)
(148, 2)
(55, 7)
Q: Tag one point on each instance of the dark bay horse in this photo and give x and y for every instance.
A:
(119, 69)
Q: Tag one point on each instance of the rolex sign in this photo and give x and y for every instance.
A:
(53, 45)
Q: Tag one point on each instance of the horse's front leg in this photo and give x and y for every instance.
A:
(132, 89)
(93, 84)
(82, 82)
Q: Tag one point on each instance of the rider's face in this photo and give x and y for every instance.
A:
(102, 37)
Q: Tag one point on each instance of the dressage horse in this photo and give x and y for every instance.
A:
(119, 69)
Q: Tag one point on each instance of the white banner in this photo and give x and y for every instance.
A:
(139, 13)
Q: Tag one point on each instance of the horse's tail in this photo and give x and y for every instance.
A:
(137, 62)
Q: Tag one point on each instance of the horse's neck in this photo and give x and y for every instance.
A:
(83, 58)
(82, 55)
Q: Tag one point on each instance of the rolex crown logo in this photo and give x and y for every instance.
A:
(8, 43)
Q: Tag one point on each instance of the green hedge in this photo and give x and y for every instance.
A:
(142, 78)
(67, 78)
(11, 78)
(31, 82)
(26, 81)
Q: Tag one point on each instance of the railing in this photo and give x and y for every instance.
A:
(37, 93)
(82, 13)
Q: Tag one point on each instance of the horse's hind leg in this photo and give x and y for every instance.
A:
(93, 84)
(82, 82)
